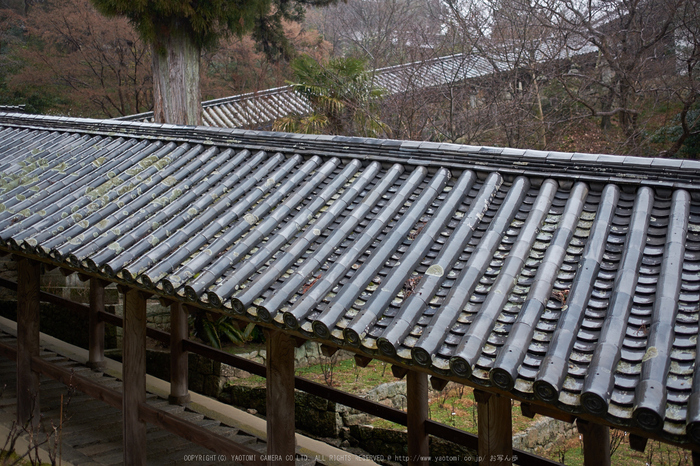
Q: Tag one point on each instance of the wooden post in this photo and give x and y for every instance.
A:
(596, 443)
(495, 427)
(179, 331)
(96, 350)
(29, 274)
(281, 444)
(417, 401)
(134, 376)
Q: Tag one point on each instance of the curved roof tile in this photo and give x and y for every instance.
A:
(570, 279)
(259, 109)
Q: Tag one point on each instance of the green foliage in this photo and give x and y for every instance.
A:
(201, 20)
(205, 21)
(219, 330)
(343, 97)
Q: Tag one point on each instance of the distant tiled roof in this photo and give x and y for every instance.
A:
(260, 109)
(12, 108)
(571, 279)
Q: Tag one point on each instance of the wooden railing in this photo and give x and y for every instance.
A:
(436, 429)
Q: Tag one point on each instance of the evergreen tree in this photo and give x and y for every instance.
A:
(178, 30)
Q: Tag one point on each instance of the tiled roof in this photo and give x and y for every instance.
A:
(570, 279)
(260, 109)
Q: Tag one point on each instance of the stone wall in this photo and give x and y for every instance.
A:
(347, 428)
(543, 435)
(208, 377)
(204, 374)
(392, 394)
(72, 288)
(315, 415)
(308, 354)
(66, 325)
(390, 447)
(54, 282)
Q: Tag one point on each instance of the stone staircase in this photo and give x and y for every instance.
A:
(91, 433)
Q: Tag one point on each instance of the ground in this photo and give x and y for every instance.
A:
(455, 406)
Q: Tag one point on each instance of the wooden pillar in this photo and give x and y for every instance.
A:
(134, 376)
(495, 427)
(179, 331)
(417, 398)
(596, 443)
(29, 274)
(280, 399)
(96, 350)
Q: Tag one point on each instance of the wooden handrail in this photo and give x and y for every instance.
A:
(71, 379)
(397, 416)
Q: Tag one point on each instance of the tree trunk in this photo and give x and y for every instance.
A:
(542, 130)
(176, 95)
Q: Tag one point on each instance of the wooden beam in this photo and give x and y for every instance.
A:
(82, 309)
(179, 331)
(529, 410)
(82, 384)
(417, 398)
(281, 443)
(299, 342)
(362, 361)
(638, 443)
(596, 443)
(328, 351)
(96, 326)
(398, 371)
(438, 384)
(29, 274)
(495, 427)
(134, 377)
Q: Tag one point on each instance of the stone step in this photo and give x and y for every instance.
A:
(6, 365)
(91, 434)
(110, 458)
(163, 405)
(188, 456)
(166, 445)
(108, 428)
(208, 423)
(80, 406)
(107, 382)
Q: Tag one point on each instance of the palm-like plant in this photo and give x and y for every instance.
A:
(219, 330)
(342, 95)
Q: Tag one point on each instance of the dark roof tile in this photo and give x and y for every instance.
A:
(570, 278)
